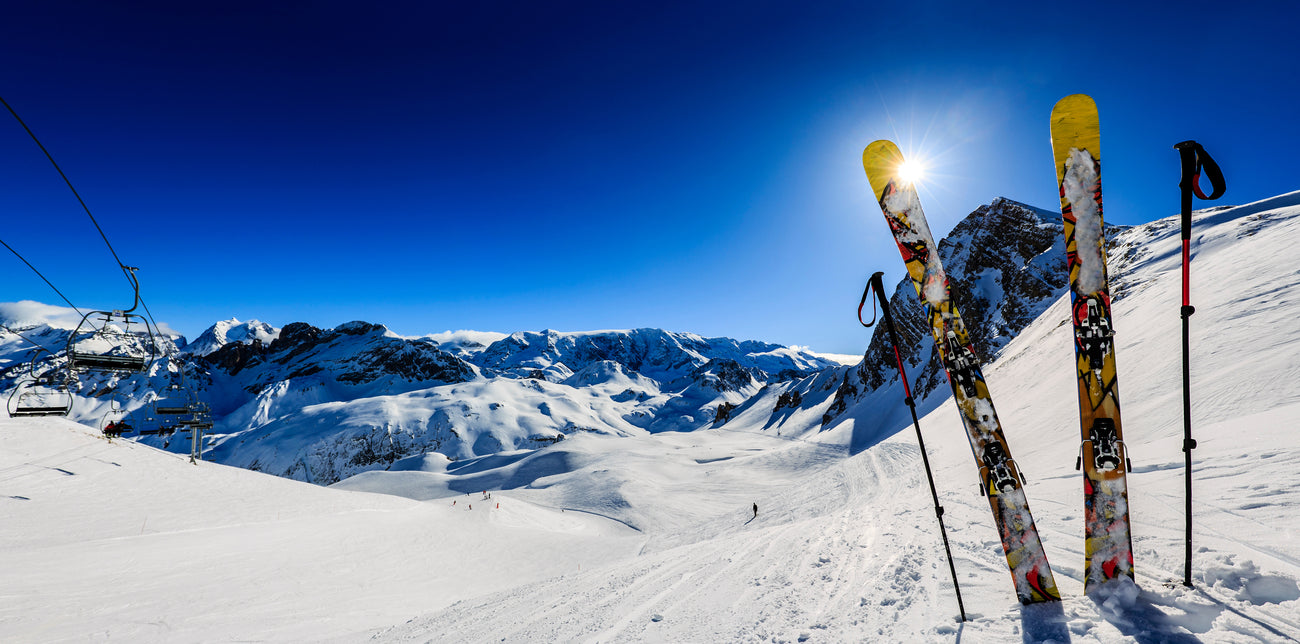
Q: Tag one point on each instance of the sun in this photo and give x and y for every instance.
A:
(911, 171)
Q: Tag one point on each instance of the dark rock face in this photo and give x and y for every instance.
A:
(1000, 287)
(840, 404)
(723, 413)
(789, 399)
(296, 335)
(233, 357)
(409, 361)
(354, 353)
(726, 375)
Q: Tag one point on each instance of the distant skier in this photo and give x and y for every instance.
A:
(755, 510)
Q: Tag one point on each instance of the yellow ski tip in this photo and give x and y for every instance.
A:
(881, 160)
(1075, 103)
(1074, 125)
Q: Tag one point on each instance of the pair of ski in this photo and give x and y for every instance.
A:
(1107, 546)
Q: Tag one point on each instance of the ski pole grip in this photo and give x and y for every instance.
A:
(1187, 162)
(1194, 159)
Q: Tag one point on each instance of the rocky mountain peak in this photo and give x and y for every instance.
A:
(1006, 262)
(232, 330)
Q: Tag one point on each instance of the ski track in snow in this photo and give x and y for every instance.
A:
(803, 575)
(651, 537)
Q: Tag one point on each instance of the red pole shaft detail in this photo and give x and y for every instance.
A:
(902, 374)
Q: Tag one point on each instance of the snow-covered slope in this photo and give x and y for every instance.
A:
(323, 404)
(845, 548)
(120, 541)
(651, 537)
(464, 344)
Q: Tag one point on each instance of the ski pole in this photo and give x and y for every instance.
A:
(877, 284)
(1194, 158)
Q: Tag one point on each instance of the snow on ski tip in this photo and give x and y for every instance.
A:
(1080, 186)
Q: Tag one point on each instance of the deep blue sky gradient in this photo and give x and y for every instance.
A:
(518, 166)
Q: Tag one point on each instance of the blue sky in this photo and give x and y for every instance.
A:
(519, 166)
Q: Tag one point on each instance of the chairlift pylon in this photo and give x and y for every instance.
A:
(104, 340)
(200, 416)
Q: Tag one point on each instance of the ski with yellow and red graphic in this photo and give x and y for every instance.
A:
(1000, 477)
(1076, 147)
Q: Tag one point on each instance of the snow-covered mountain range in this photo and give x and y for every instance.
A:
(324, 404)
(624, 531)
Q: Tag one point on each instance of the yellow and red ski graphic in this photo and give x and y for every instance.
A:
(1076, 147)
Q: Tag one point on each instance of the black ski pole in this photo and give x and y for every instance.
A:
(877, 284)
(1194, 159)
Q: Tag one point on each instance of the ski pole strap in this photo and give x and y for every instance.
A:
(1212, 172)
(866, 292)
(1194, 159)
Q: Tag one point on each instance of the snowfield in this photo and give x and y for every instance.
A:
(652, 536)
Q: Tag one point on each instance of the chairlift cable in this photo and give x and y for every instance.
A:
(29, 340)
(47, 280)
(69, 182)
(102, 234)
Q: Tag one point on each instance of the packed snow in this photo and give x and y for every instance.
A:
(653, 537)
(1080, 186)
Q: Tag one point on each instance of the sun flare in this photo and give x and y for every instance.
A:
(911, 171)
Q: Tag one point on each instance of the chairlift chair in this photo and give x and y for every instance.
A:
(175, 400)
(114, 422)
(174, 405)
(103, 340)
(162, 430)
(197, 422)
(138, 421)
(40, 398)
(42, 394)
